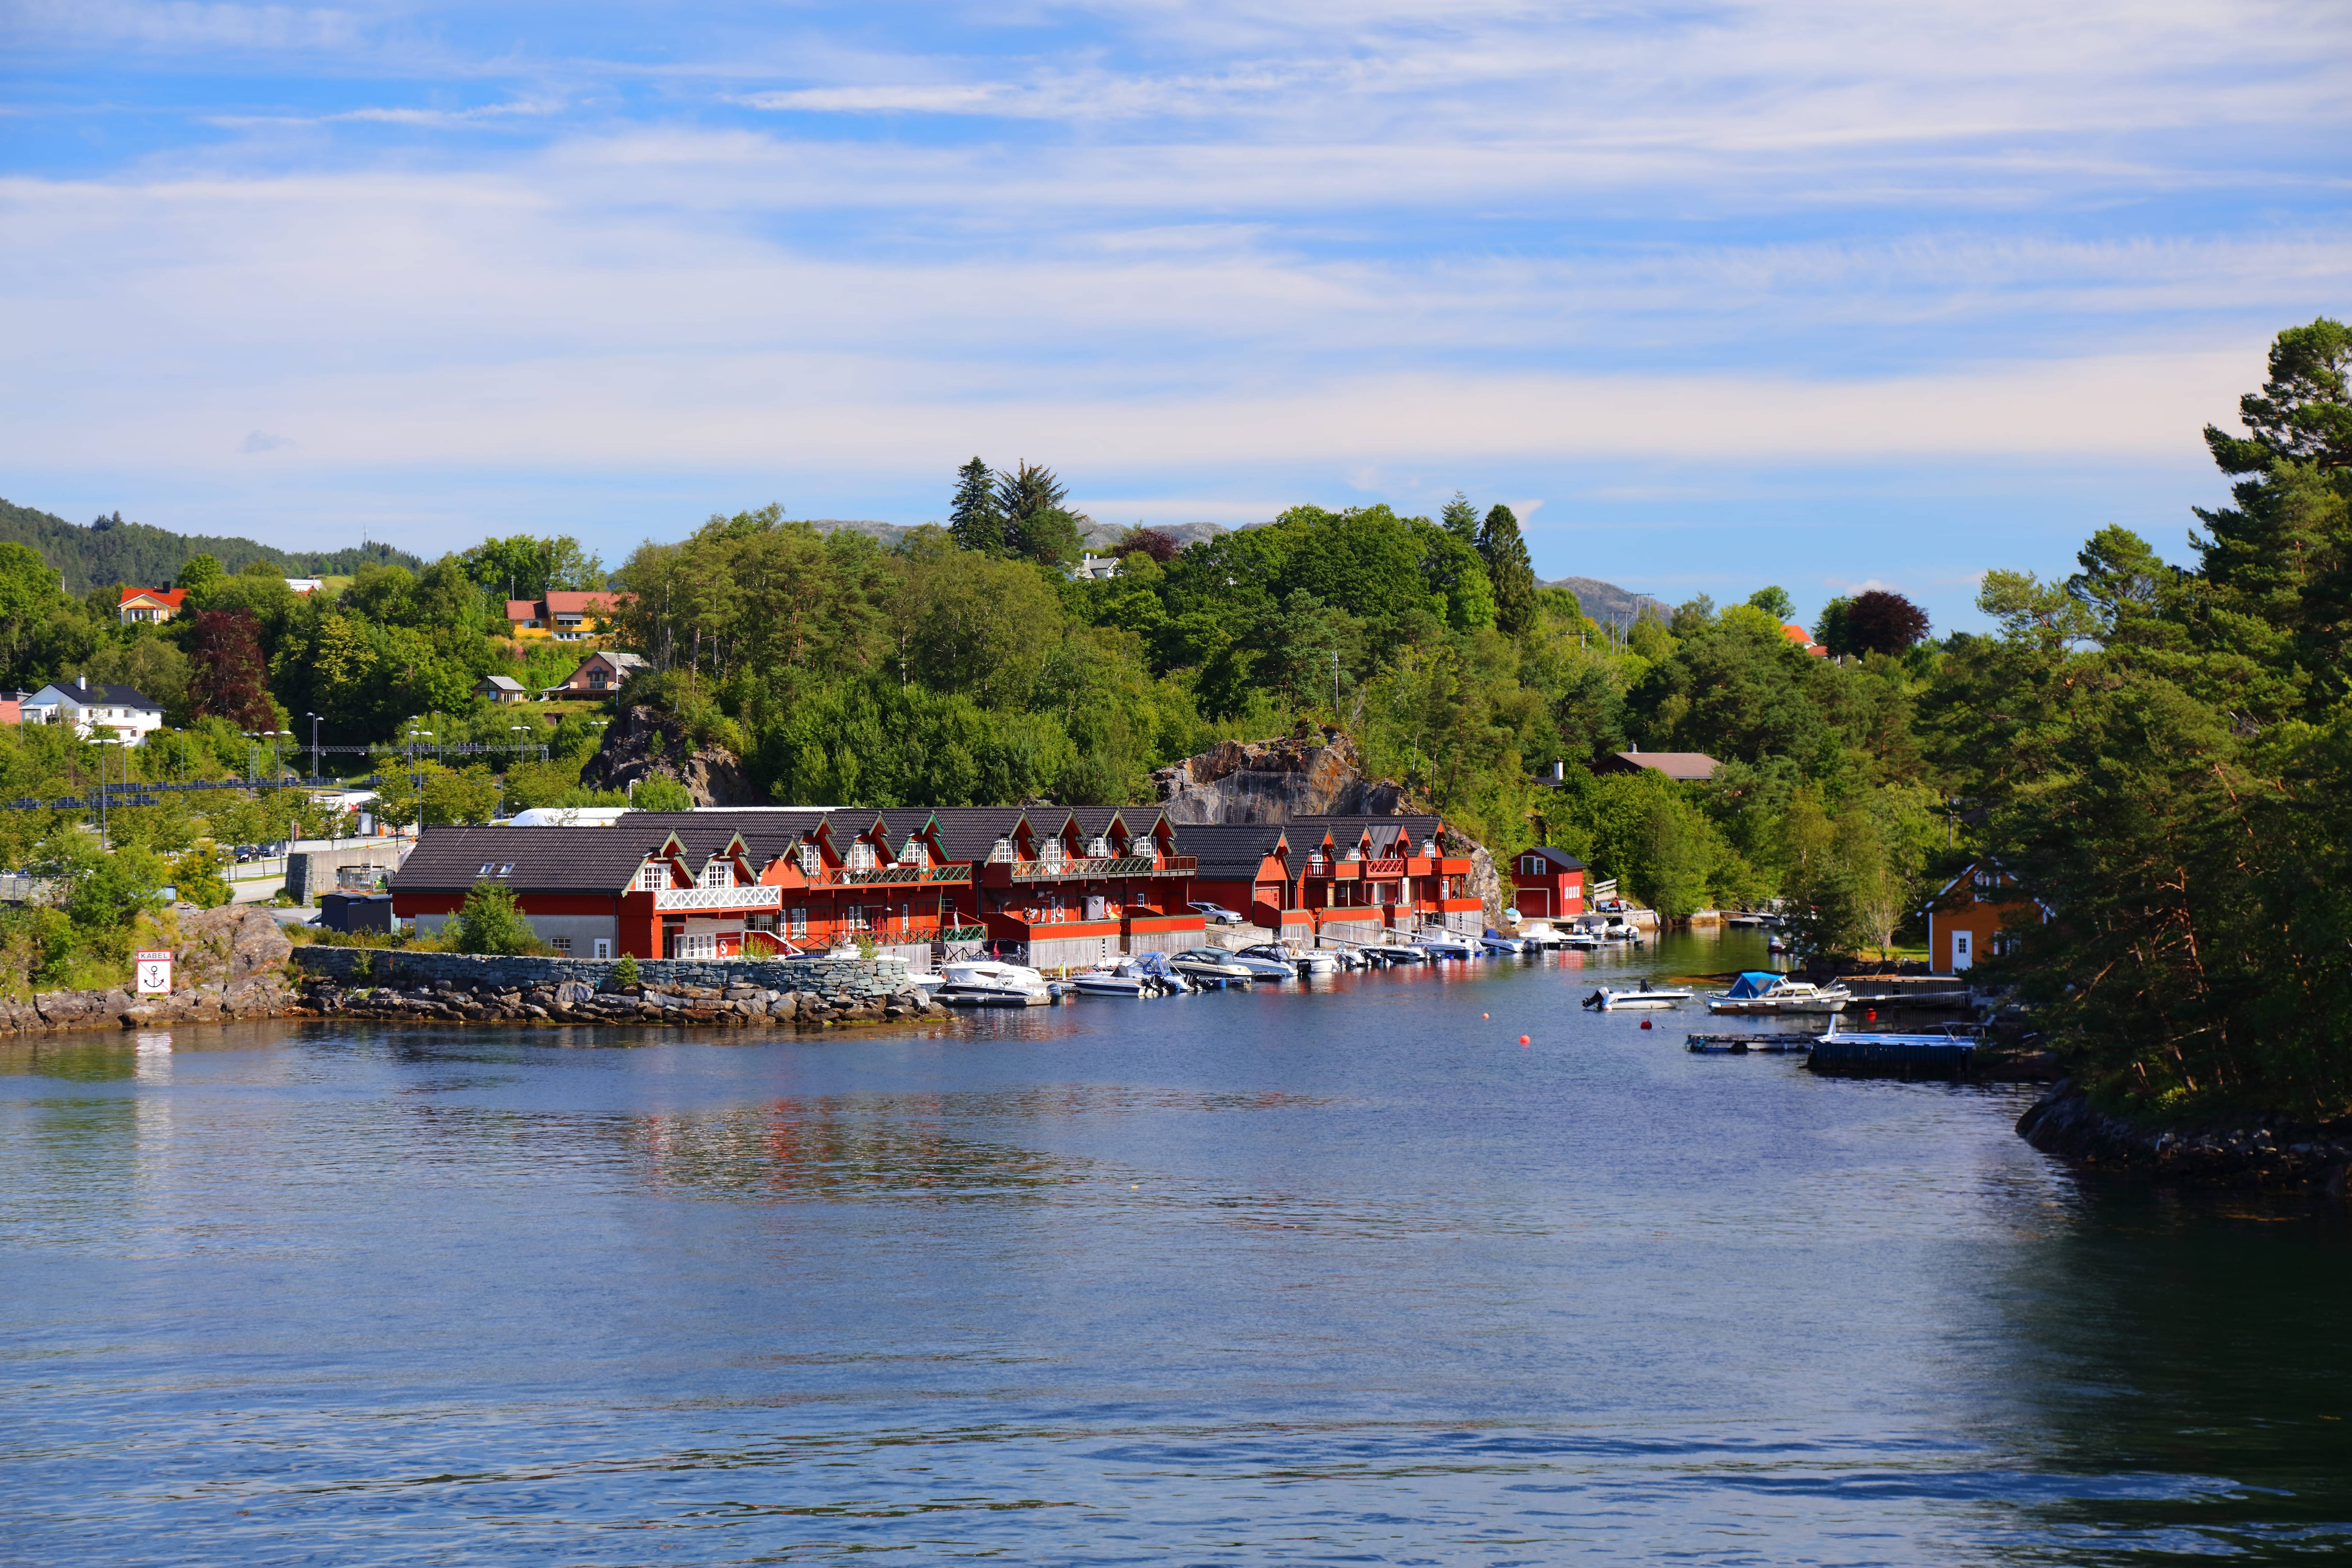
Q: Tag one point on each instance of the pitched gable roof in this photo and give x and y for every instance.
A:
(528, 859)
(1558, 860)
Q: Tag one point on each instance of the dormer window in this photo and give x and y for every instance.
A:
(653, 876)
(1354, 855)
(1050, 852)
(718, 874)
(911, 853)
(861, 856)
(812, 860)
(1099, 848)
(1000, 852)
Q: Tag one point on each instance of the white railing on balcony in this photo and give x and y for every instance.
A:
(760, 898)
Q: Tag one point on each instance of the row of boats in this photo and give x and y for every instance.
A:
(994, 982)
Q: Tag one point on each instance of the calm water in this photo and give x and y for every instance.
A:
(1343, 1277)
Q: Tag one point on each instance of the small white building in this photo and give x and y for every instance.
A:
(89, 708)
(1095, 568)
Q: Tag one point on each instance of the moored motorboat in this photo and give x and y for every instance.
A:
(1444, 944)
(992, 982)
(1315, 960)
(1265, 961)
(1111, 982)
(1495, 942)
(1761, 992)
(1209, 966)
(1609, 1001)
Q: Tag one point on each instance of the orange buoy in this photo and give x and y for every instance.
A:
(1523, 1039)
(1486, 1015)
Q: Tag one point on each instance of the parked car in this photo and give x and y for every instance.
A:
(1216, 914)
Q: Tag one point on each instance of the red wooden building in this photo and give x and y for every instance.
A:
(1550, 883)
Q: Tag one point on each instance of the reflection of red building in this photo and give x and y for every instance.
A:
(1550, 883)
(1061, 887)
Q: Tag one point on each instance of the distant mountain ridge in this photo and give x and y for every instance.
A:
(112, 550)
(1608, 602)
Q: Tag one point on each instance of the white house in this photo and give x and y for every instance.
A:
(88, 708)
(1095, 568)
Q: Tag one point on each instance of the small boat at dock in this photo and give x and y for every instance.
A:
(991, 983)
(1211, 966)
(1495, 942)
(1759, 992)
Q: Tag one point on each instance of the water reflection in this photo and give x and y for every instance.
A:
(1340, 1275)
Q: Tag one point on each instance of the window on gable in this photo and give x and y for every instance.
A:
(653, 876)
(718, 874)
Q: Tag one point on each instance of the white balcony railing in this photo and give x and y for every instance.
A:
(769, 897)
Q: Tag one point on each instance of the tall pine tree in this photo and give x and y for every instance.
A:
(975, 519)
(1510, 571)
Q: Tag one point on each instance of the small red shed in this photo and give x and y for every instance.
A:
(1550, 883)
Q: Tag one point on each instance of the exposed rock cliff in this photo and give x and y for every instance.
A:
(645, 741)
(1312, 773)
(229, 963)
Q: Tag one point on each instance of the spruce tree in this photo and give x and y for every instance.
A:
(1461, 519)
(1510, 571)
(975, 519)
(1036, 523)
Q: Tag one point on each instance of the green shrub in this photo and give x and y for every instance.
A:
(624, 973)
(490, 922)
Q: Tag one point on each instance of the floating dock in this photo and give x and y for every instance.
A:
(1891, 1056)
(1749, 1044)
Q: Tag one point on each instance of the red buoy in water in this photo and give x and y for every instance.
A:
(1645, 1023)
(1523, 1039)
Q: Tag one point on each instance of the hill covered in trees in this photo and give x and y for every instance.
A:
(112, 550)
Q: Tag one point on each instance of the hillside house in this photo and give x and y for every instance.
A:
(1804, 639)
(563, 615)
(500, 690)
(1682, 767)
(149, 607)
(599, 675)
(1976, 916)
(88, 708)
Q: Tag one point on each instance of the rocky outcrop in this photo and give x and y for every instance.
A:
(2273, 1152)
(644, 742)
(1312, 773)
(228, 964)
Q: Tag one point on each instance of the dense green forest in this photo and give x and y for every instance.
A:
(2161, 754)
(110, 551)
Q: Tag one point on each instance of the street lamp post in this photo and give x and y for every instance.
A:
(314, 748)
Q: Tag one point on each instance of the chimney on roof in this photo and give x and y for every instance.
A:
(82, 681)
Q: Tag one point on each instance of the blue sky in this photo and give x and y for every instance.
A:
(1823, 293)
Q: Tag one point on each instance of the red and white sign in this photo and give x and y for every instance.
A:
(155, 974)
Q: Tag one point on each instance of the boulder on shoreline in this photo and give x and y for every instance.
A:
(2272, 1153)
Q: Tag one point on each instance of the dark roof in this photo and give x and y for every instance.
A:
(766, 834)
(1094, 821)
(1230, 851)
(1346, 830)
(103, 695)
(544, 859)
(967, 832)
(1561, 859)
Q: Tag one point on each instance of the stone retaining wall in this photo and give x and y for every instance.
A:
(450, 987)
(365, 966)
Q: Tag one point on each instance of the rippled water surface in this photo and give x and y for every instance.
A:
(1341, 1275)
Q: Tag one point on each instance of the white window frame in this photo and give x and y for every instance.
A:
(653, 877)
(796, 923)
(718, 874)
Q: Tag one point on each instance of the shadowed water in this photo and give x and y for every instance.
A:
(1297, 1276)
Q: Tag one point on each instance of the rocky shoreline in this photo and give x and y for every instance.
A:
(2265, 1153)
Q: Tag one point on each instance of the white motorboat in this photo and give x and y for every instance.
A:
(1400, 952)
(1542, 933)
(1209, 966)
(1761, 992)
(991, 983)
(1495, 942)
(1445, 944)
(1267, 960)
(1606, 1000)
(1110, 983)
(1316, 960)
